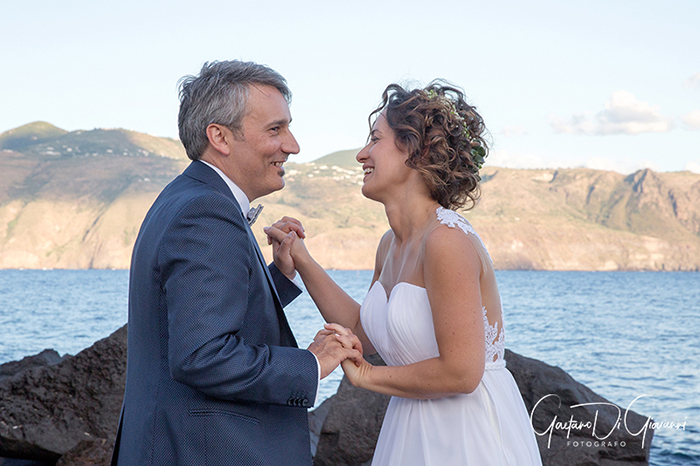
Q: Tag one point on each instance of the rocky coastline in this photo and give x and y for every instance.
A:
(64, 411)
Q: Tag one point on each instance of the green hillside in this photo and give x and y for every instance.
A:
(341, 158)
(46, 141)
(29, 134)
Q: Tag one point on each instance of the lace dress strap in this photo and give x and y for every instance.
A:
(453, 220)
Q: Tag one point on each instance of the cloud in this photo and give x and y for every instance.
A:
(508, 159)
(692, 120)
(624, 166)
(693, 81)
(513, 130)
(692, 167)
(528, 160)
(623, 114)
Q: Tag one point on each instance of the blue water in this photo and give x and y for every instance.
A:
(623, 334)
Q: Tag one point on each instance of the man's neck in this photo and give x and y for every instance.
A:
(237, 192)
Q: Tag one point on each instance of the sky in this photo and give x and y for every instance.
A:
(611, 85)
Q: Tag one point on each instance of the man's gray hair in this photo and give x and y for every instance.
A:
(219, 96)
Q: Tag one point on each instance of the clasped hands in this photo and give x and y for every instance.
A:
(334, 344)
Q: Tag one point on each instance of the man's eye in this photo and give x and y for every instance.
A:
(275, 129)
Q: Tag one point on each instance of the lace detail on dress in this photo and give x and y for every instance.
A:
(495, 344)
(495, 340)
(452, 219)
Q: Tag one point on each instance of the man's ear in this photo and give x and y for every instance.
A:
(220, 138)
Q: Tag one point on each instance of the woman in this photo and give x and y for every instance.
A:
(433, 310)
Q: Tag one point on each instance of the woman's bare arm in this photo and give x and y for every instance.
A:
(452, 268)
(335, 305)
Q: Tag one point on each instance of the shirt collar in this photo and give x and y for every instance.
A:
(235, 190)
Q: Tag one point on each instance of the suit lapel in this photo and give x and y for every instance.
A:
(261, 260)
(285, 330)
(201, 172)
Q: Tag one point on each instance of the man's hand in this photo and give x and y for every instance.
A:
(282, 235)
(331, 349)
(355, 371)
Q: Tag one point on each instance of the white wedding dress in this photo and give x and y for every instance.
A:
(489, 426)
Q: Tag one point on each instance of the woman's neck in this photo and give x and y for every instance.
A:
(410, 215)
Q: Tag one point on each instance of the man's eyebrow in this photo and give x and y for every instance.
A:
(280, 122)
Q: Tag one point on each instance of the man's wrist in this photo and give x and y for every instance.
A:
(318, 386)
(297, 281)
(290, 275)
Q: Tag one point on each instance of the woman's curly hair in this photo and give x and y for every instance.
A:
(444, 138)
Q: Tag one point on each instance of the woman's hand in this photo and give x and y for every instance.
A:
(285, 225)
(286, 236)
(355, 370)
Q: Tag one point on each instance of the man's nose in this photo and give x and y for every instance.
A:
(290, 146)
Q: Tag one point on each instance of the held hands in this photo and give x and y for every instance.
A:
(332, 348)
(285, 237)
(356, 370)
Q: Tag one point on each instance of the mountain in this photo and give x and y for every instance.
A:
(341, 158)
(582, 219)
(76, 200)
(47, 142)
(29, 134)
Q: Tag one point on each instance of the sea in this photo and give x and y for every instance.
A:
(632, 337)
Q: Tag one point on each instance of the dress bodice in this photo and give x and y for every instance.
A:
(400, 326)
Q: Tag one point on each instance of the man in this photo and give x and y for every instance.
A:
(214, 375)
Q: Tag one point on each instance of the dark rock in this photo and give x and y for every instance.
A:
(350, 430)
(349, 433)
(47, 411)
(96, 452)
(537, 380)
(48, 357)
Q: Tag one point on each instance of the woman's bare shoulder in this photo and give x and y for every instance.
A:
(446, 245)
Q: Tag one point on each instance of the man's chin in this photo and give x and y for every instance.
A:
(279, 184)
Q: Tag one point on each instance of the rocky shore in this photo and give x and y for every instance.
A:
(64, 411)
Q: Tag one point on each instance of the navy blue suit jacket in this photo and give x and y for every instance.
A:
(214, 375)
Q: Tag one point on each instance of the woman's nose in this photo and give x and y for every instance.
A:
(362, 155)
